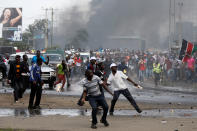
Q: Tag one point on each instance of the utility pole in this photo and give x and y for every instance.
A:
(170, 15)
(46, 29)
(180, 22)
(174, 21)
(52, 26)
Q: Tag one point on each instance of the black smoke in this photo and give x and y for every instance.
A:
(144, 18)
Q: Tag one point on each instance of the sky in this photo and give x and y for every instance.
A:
(148, 19)
(34, 9)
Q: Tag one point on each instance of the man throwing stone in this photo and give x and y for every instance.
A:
(119, 87)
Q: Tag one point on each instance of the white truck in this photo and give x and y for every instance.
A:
(48, 74)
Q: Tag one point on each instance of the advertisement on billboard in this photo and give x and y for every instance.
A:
(11, 24)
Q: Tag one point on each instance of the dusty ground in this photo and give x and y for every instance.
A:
(62, 102)
(82, 123)
(117, 123)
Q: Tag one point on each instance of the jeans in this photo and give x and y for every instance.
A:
(157, 78)
(190, 75)
(25, 80)
(141, 75)
(71, 72)
(170, 73)
(127, 94)
(149, 73)
(94, 103)
(67, 79)
(78, 70)
(17, 88)
(36, 89)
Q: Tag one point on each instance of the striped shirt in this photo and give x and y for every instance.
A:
(92, 87)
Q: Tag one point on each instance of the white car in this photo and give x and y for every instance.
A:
(85, 56)
(54, 60)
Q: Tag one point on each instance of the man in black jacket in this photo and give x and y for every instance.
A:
(14, 77)
(101, 74)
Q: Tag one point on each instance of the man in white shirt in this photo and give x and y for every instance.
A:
(119, 87)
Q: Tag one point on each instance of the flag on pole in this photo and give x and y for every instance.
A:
(187, 49)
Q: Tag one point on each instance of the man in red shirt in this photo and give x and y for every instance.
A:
(142, 69)
(190, 68)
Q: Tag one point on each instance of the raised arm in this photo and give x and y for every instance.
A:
(47, 62)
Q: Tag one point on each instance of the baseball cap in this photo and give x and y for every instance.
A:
(112, 65)
(93, 58)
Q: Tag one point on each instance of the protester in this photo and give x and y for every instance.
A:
(122, 67)
(61, 69)
(119, 87)
(156, 71)
(36, 85)
(14, 77)
(190, 68)
(95, 97)
(25, 73)
(34, 59)
(3, 69)
(71, 65)
(149, 66)
(101, 74)
(78, 64)
(142, 69)
(92, 64)
(67, 72)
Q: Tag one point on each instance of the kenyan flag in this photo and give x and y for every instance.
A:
(187, 49)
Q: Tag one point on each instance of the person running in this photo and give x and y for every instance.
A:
(61, 69)
(36, 85)
(119, 86)
(25, 75)
(14, 77)
(95, 97)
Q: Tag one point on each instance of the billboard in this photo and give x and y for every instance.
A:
(11, 24)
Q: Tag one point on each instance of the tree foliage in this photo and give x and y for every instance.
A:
(38, 25)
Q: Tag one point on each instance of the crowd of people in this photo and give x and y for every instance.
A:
(100, 70)
(146, 66)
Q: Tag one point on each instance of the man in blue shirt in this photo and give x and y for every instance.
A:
(36, 85)
(34, 59)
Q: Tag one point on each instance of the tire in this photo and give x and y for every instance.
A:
(1, 75)
(51, 85)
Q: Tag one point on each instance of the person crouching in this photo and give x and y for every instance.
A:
(95, 97)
